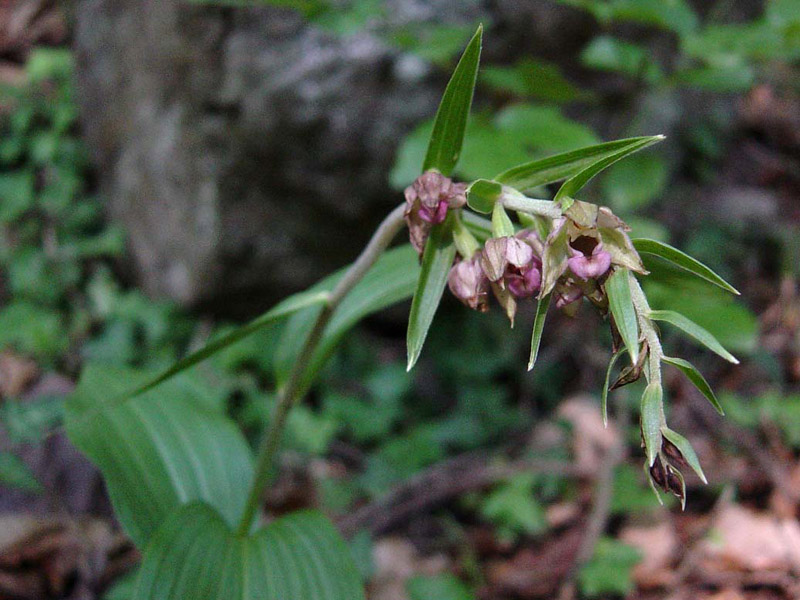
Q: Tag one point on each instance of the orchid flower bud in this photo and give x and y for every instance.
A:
(526, 283)
(468, 283)
(567, 293)
(427, 202)
(511, 263)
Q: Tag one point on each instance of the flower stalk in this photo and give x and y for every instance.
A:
(290, 394)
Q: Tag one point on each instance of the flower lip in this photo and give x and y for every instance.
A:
(588, 259)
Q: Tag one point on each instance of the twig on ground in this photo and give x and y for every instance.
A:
(597, 519)
(688, 563)
(750, 444)
(441, 483)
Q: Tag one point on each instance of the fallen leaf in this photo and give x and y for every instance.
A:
(396, 560)
(16, 373)
(658, 545)
(591, 439)
(744, 540)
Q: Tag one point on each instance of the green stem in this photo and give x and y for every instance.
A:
(289, 395)
(514, 200)
(655, 352)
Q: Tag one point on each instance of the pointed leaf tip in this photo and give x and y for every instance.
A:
(685, 448)
(694, 330)
(447, 137)
(683, 261)
(437, 259)
(538, 328)
(693, 375)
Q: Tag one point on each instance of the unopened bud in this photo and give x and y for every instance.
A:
(468, 283)
(427, 202)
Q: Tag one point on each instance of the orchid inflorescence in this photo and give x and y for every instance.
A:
(568, 250)
(563, 249)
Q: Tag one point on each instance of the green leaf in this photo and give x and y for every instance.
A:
(722, 79)
(391, 279)
(285, 308)
(194, 554)
(159, 450)
(16, 474)
(483, 194)
(533, 78)
(694, 330)
(618, 289)
(544, 128)
(682, 261)
(561, 166)
(439, 587)
(573, 185)
(31, 419)
(434, 42)
(674, 15)
(538, 327)
(696, 378)
(16, 194)
(629, 496)
(513, 506)
(606, 53)
(609, 570)
(652, 419)
(604, 397)
(686, 449)
(440, 251)
(32, 329)
(450, 124)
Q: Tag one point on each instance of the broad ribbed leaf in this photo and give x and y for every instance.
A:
(573, 185)
(158, 451)
(561, 166)
(444, 147)
(438, 587)
(290, 305)
(196, 556)
(681, 260)
(694, 330)
(440, 251)
(682, 444)
(696, 378)
(618, 289)
(538, 327)
(604, 397)
(391, 279)
(652, 419)
(482, 195)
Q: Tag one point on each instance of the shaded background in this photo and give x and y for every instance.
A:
(167, 168)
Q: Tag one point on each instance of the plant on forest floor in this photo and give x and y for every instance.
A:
(183, 481)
